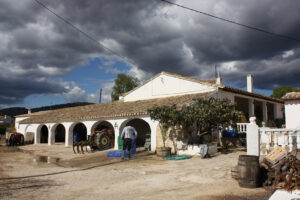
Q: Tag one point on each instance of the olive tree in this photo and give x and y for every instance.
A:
(203, 114)
(167, 116)
(208, 114)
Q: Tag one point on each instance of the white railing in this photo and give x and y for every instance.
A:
(242, 127)
(286, 138)
(260, 141)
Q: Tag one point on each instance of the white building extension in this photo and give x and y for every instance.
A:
(72, 124)
(292, 109)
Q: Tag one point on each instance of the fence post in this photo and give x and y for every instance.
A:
(253, 138)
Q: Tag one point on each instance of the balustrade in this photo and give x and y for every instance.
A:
(286, 138)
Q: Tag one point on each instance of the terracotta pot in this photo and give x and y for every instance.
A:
(163, 151)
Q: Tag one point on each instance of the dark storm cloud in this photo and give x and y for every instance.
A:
(36, 47)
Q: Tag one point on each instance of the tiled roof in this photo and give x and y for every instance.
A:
(291, 96)
(33, 113)
(243, 92)
(110, 110)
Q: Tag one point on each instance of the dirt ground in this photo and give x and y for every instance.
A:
(55, 172)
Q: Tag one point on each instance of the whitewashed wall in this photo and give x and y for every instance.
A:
(19, 126)
(292, 114)
(225, 96)
(164, 86)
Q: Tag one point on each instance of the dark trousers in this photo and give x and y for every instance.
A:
(127, 145)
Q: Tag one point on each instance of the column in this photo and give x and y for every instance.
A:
(253, 138)
(251, 108)
(275, 111)
(68, 134)
(265, 111)
(37, 136)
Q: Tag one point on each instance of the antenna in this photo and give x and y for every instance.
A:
(100, 95)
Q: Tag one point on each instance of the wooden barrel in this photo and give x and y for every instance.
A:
(248, 171)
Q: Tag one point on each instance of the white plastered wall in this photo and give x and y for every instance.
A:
(165, 86)
(292, 110)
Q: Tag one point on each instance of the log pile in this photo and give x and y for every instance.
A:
(285, 174)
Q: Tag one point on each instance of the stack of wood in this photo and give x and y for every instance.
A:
(283, 174)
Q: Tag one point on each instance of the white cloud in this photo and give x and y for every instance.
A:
(51, 71)
(287, 54)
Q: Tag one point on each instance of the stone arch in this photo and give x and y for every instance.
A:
(29, 134)
(142, 127)
(43, 134)
(78, 132)
(100, 125)
(58, 133)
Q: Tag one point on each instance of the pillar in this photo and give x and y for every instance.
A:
(251, 108)
(37, 137)
(68, 134)
(253, 138)
(265, 111)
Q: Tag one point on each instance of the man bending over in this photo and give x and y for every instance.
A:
(127, 135)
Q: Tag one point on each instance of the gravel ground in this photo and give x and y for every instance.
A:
(54, 172)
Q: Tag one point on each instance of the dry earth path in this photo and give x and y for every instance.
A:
(54, 172)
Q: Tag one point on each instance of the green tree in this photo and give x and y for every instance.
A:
(168, 116)
(208, 114)
(123, 83)
(280, 91)
(204, 115)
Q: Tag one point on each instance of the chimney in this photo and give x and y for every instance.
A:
(219, 79)
(250, 83)
(29, 110)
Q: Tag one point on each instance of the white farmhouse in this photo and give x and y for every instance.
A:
(163, 89)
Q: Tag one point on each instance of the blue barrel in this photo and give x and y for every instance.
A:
(229, 133)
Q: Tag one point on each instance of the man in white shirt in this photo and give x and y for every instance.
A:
(127, 134)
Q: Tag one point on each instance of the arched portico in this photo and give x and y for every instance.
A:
(101, 125)
(58, 134)
(42, 134)
(29, 134)
(77, 132)
(142, 127)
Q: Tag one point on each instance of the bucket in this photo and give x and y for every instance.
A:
(248, 171)
(120, 143)
(163, 151)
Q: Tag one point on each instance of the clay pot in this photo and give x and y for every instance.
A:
(163, 151)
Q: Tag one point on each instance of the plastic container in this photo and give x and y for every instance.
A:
(120, 152)
(120, 143)
(229, 133)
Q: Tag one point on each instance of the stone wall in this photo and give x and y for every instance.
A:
(169, 142)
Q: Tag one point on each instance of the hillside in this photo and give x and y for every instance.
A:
(22, 110)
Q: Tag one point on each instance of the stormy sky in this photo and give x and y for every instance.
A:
(39, 53)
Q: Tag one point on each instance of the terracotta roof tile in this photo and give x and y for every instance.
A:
(291, 96)
(110, 110)
(243, 92)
